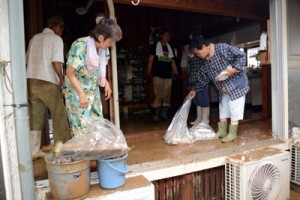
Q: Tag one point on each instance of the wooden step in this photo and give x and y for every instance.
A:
(137, 187)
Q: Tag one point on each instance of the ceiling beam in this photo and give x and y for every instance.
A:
(250, 9)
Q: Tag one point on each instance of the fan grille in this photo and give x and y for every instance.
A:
(265, 182)
(295, 164)
(232, 181)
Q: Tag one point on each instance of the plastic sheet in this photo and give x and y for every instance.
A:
(104, 140)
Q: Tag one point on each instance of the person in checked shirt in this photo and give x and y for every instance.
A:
(225, 66)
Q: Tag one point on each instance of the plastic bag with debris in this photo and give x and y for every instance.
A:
(104, 140)
(177, 132)
(202, 131)
(296, 134)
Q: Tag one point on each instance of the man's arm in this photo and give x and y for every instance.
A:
(174, 68)
(27, 52)
(149, 67)
(58, 69)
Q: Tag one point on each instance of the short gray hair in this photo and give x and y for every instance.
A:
(108, 28)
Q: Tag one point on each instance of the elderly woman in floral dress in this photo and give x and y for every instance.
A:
(86, 69)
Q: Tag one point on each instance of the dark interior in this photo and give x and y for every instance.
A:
(181, 17)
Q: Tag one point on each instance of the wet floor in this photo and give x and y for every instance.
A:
(141, 121)
(146, 138)
(150, 146)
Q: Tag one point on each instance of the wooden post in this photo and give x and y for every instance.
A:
(266, 91)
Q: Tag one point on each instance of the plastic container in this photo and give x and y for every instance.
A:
(111, 172)
(68, 180)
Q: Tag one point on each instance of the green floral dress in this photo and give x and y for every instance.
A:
(88, 81)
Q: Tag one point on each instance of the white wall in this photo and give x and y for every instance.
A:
(293, 28)
(293, 14)
(247, 34)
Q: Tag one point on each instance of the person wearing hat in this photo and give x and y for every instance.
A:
(225, 66)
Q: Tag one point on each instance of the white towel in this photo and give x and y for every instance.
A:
(159, 50)
(96, 61)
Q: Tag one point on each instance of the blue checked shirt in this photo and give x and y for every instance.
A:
(225, 55)
(193, 67)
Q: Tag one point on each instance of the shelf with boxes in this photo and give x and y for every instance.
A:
(131, 77)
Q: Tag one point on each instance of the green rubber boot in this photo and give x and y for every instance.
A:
(222, 129)
(232, 135)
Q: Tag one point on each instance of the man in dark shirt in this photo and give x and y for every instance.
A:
(161, 65)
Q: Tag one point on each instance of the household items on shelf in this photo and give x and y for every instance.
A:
(131, 74)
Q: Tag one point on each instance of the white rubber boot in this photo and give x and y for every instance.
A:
(198, 119)
(35, 144)
(205, 115)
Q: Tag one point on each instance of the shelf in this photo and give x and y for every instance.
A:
(133, 88)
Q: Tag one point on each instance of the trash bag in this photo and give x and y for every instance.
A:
(177, 132)
(296, 134)
(202, 131)
(104, 140)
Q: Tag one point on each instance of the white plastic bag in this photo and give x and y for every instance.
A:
(202, 131)
(296, 134)
(177, 132)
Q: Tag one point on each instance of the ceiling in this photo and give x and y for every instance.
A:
(250, 9)
(212, 16)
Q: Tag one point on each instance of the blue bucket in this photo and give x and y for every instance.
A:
(111, 172)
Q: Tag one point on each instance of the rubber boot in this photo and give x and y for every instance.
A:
(232, 135)
(205, 115)
(199, 116)
(35, 144)
(156, 117)
(222, 129)
(165, 113)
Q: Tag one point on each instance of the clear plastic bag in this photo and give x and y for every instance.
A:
(202, 131)
(177, 132)
(104, 140)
